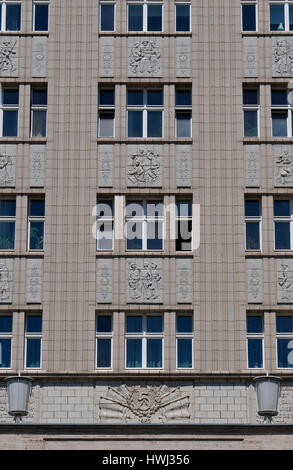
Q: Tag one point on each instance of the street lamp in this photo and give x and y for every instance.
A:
(19, 390)
(268, 392)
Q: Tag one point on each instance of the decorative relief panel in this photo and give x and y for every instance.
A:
(250, 57)
(9, 46)
(144, 166)
(183, 46)
(282, 56)
(107, 54)
(37, 165)
(285, 281)
(7, 166)
(105, 166)
(144, 57)
(254, 281)
(144, 404)
(39, 56)
(285, 405)
(144, 280)
(104, 287)
(283, 165)
(6, 279)
(183, 165)
(184, 281)
(34, 276)
(252, 165)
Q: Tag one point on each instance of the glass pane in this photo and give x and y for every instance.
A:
(282, 236)
(250, 124)
(36, 236)
(105, 209)
(41, 17)
(155, 97)
(282, 208)
(135, 17)
(107, 17)
(134, 324)
(7, 234)
(252, 208)
(252, 236)
(106, 121)
(104, 323)
(183, 98)
(279, 124)
(183, 121)
(135, 97)
(285, 356)
(105, 232)
(255, 359)
(254, 324)
(10, 96)
(134, 235)
(133, 353)
(248, 18)
(104, 352)
(39, 97)
(134, 123)
(279, 97)
(250, 97)
(284, 324)
(183, 235)
(7, 208)
(37, 208)
(184, 353)
(10, 121)
(154, 124)
(154, 235)
(154, 353)
(291, 17)
(0, 16)
(134, 209)
(106, 98)
(184, 324)
(154, 324)
(5, 352)
(39, 124)
(184, 208)
(277, 17)
(12, 17)
(154, 18)
(5, 324)
(33, 352)
(34, 324)
(182, 18)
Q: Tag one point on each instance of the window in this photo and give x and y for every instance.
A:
(284, 330)
(281, 114)
(281, 16)
(36, 221)
(5, 341)
(105, 225)
(33, 341)
(104, 335)
(144, 225)
(283, 219)
(145, 16)
(144, 341)
(253, 224)
(10, 16)
(183, 112)
(106, 112)
(38, 112)
(41, 16)
(249, 17)
(9, 112)
(250, 110)
(184, 341)
(183, 225)
(7, 224)
(182, 17)
(145, 113)
(255, 341)
(107, 16)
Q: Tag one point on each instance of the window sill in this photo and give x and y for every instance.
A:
(266, 33)
(145, 33)
(24, 33)
(20, 140)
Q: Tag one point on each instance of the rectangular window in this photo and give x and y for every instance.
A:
(105, 224)
(255, 337)
(33, 341)
(281, 15)
(144, 341)
(9, 112)
(41, 16)
(36, 222)
(284, 331)
(249, 17)
(10, 16)
(283, 218)
(107, 16)
(184, 341)
(5, 341)
(144, 225)
(104, 337)
(250, 111)
(183, 103)
(281, 114)
(106, 112)
(253, 224)
(38, 112)
(182, 17)
(145, 16)
(145, 113)
(184, 225)
(7, 223)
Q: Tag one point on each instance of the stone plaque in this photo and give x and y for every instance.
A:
(6, 279)
(184, 281)
(37, 164)
(254, 281)
(183, 166)
(107, 54)
(250, 57)
(144, 280)
(104, 294)
(252, 165)
(105, 166)
(39, 56)
(282, 56)
(285, 281)
(34, 276)
(7, 166)
(183, 46)
(9, 52)
(144, 57)
(144, 166)
(283, 165)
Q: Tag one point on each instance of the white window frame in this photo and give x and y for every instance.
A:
(252, 107)
(8, 219)
(32, 335)
(105, 2)
(184, 109)
(106, 219)
(250, 2)
(110, 108)
(182, 219)
(285, 335)
(8, 107)
(281, 108)
(37, 107)
(288, 219)
(7, 335)
(256, 336)
(41, 2)
(145, 108)
(145, 4)
(185, 336)
(187, 4)
(104, 335)
(286, 4)
(35, 219)
(144, 220)
(144, 336)
(255, 219)
(4, 3)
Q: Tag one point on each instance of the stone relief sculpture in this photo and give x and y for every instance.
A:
(254, 280)
(34, 280)
(37, 164)
(107, 51)
(250, 56)
(144, 404)
(144, 59)
(183, 46)
(144, 168)
(144, 281)
(184, 280)
(7, 53)
(285, 281)
(7, 170)
(282, 57)
(252, 165)
(283, 169)
(39, 57)
(105, 165)
(105, 281)
(5, 280)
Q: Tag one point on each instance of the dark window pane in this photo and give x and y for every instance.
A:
(252, 236)
(282, 236)
(184, 324)
(250, 97)
(106, 98)
(285, 356)
(106, 123)
(155, 97)
(7, 208)
(184, 208)
(279, 124)
(284, 324)
(182, 18)
(135, 97)
(134, 235)
(134, 123)
(154, 324)
(10, 96)
(135, 17)
(104, 323)
(255, 356)
(184, 353)
(105, 235)
(183, 98)
(250, 124)
(154, 124)
(134, 324)
(254, 324)
(248, 18)
(154, 353)
(12, 17)
(39, 123)
(183, 121)
(133, 353)
(0, 15)
(39, 97)
(279, 97)
(277, 17)
(33, 352)
(291, 17)
(5, 324)
(282, 208)
(41, 17)
(34, 324)
(7, 234)
(10, 123)
(252, 208)
(36, 236)
(154, 236)
(37, 208)
(104, 352)
(107, 17)
(105, 208)
(5, 352)
(154, 18)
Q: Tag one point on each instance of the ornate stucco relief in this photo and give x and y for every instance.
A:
(144, 166)
(6, 279)
(105, 166)
(9, 47)
(285, 280)
(283, 165)
(250, 56)
(282, 56)
(107, 57)
(34, 276)
(183, 47)
(39, 56)
(183, 165)
(184, 281)
(37, 165)
(254, 281)
(7, 166)
(104, 287)
(144, 280)
(252, 165)
(144, 57)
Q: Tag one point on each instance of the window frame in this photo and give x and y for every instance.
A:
(105, 2)
(251, 108)
(183, 109)
(38, 107)
(40, 2)
(185, 335)
(250, 2)
(110, 219)
(286, 4)
(8, 107)
(3, 4)
(8, 219)
(106, 109)
(288, 219)
(145, 108)
(31, 219)
(32, 335)
(104, 335)
(284, 335)
(8, 335)
(279, 108)
(145, 4)
(175, 25)
(254, 219)
(187, 218)
(256, 336)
